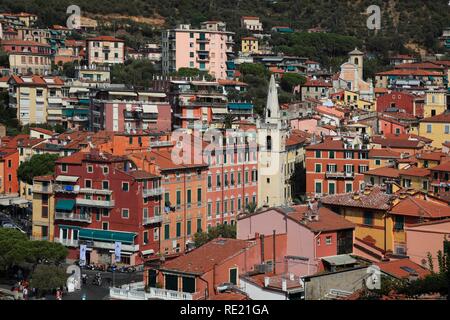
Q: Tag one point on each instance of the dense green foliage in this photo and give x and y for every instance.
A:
(133, 72)
(291, 80)
(48, 277)
(192, 72)
(38, 165)
(16, 249)
(419, 21)
(220, 231)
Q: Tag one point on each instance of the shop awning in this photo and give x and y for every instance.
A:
(150, 108)
(240, 106)
(107, 235)
(66, 179)
(65, 204)
(219, 110)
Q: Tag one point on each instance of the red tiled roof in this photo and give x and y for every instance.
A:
(384, 153)
(203, 259)
(384, 172)
(415, 172)
(275, 281)
(327, 219)
(140, 174)
(105, 38)
(19, 42)
(44, 131)
(397, 143)
(44, 178)
(433, 156)
(37, 80)
(419, 65)
(407, 72)
(249, 38)
(442, 167)
(399, 268)
(419, 207)
(225, 82)
(328, 144)
(296, 137)
(317, 83)
(377, 199)
(230, 296)
(440, 118)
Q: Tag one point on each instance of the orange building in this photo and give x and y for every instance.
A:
(184, 205)
(9, 163)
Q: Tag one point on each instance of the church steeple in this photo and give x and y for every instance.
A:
(272, 106)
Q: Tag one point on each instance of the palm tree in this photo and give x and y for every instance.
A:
(251, 207)
(228, 120)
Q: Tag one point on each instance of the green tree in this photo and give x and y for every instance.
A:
(251, 207)
(220, 231)
(48, 277)
(38, 165)
(192, 72)
(4, 59)
(290, 80)
(133, 73)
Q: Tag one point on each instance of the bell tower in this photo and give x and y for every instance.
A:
(357, 58)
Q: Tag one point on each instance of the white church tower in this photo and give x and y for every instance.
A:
(272, 131)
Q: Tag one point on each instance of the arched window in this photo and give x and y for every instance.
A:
(356, 61)
(268, 113)
(269, 143)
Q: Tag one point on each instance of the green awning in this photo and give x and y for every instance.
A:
(106, 235)
(65, 204)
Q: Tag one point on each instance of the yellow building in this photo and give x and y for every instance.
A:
(43, 208)
(435, 103)
(436, 128)
(380, 217)
(415, 178)
(249, 45)
(33, 97)
(382, 158)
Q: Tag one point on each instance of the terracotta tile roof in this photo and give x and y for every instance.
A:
(419, 65)
(407, 136)
(327, 219)
(397, 143)
(440, 118)
(415, 172)
(19, 42)
(37, 80)
(44, 131)
(203, 259)
(442, 167)
(28, 142)
(105, 38)
(384, 172)
(225, 82)
(317, 83)
(384, 153)
(327, 145)
(44, 178)
(330, 111)
(400, 268)
(417, 206)
(377, 199)
(296, 137)
(399, 115)
(433, 156)
(408, 72)
(163, 159)
(249, 38)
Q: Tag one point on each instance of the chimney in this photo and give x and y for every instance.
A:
(266, 281)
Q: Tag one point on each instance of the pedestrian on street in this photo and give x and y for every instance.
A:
(25, 293)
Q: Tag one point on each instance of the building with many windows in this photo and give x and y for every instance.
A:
(105, 50)
(207, 49)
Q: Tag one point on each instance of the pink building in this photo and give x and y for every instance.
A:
(232, 183)
(206, 49)
(427, 237)
(312, 233)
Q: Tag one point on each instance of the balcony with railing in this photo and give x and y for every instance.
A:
(152, 192)
(67, 242)
(66, 188)
(340, 175)
(95, 203)
(72, 216)
(153, 220)
(38, 188)
(95, 191)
